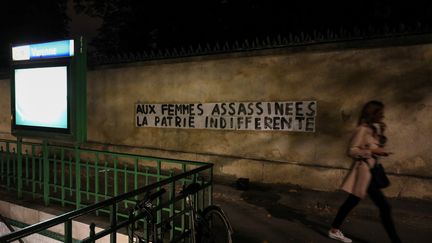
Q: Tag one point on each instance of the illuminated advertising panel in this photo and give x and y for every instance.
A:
(48, 91)
(41, 97)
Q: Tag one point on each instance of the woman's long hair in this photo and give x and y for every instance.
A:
(369, 115)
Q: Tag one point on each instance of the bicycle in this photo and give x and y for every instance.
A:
(146, 208)
(210, 225)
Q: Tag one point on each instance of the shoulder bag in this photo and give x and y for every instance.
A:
(379, 177)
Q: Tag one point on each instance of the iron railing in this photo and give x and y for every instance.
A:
(103, 182)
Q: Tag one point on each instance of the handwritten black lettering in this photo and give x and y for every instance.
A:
(279, 108)
(259, 108)
(200, 109)
(299, 108)
(268, 123)
(289, 108)
(241, 109)
(231, 109)
(312, 109)
(257, 123)
(286, 123)
(215, 111)
(250, 108)
(300, 120)
(310, 124)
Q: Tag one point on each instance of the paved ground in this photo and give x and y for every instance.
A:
(289, 214)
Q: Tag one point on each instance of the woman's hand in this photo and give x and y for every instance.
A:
(380, 152)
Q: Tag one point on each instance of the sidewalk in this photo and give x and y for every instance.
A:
(285, 214)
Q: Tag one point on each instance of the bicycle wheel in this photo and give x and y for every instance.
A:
(214, 226)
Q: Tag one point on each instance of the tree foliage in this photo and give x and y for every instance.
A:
(130, 25)
(24, 21)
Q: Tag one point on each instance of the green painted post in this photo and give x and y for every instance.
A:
(41, 164)
(70, 176)
(55, 172)
(33, 172)
(62, 177)
(125, 183)
(171, 206)
(211, 187)
(115, 176)
(97, 181)
(14, 165)
(77, 177)
(68, 231)
(88, 180)
(159, 172)
(136, 176)
(19, 169)
(7, 166)
(27, 167)
(106, 179)
(80, 72)
(183, 202)
(45, 173)
(195, 198)
(159, 169)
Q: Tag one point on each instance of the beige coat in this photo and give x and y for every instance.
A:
(358, 179)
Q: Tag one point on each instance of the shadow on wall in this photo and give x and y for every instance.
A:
(397, 79)
(412, 87)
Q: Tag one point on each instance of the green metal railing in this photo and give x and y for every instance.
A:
(82, 178)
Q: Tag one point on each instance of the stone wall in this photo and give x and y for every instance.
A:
(341, 80)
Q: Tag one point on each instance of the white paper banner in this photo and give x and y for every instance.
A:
(257, 116)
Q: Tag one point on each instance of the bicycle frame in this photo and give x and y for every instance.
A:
(198, 220)
(193, 217)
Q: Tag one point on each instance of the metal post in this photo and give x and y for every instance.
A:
(7, 166)
(88, 179)
(92, 232)
(183, 202)
(136, 176)
(68, 231)
(77, 177)
(97, 181)
(113, 236)
(20, 164)
(171, 198)
(106, 179)
(131, 226)
(159, 175)
(115, 176)
(125, 183)
(62, 177)
(45, 172)
(27, 167)
(55, 172)
(211, 187)
(33, 171)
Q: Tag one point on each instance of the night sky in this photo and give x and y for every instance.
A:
(130, 25)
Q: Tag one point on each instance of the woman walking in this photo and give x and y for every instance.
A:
(367, 145)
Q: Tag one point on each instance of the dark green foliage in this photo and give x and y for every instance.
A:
(24, 21)
(133, 25)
